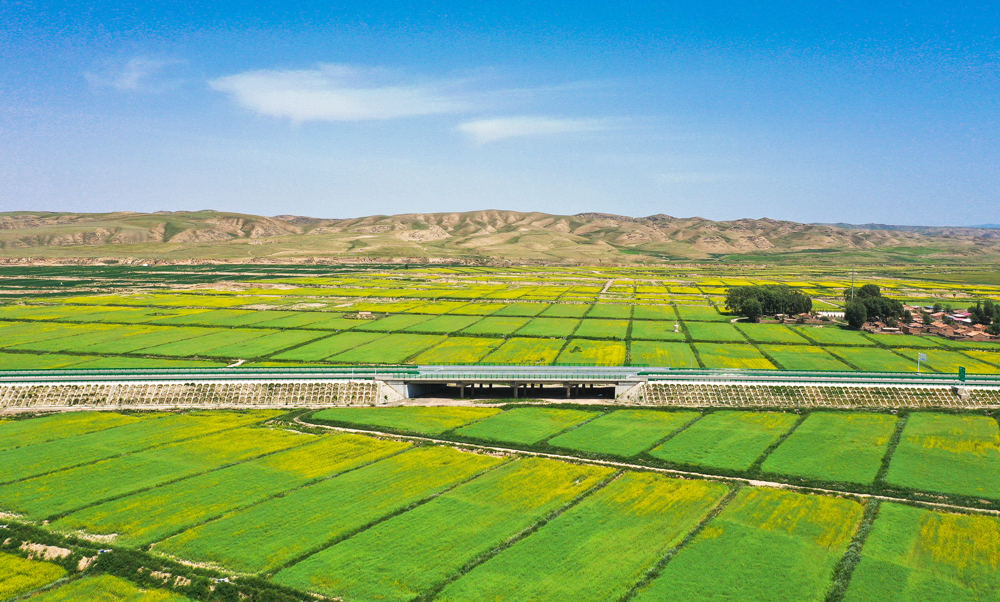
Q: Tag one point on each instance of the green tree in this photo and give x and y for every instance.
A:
(856, 314)
(752, 309)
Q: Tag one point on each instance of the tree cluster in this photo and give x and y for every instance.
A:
(988, 314)
(869, 304)
(767, 300)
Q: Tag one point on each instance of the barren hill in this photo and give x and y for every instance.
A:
(489, 236)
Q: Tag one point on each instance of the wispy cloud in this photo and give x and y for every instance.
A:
(139, 74)
(484, 131)
(340, 93)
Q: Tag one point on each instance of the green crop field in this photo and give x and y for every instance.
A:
(522, 309)
(602, 329)
(655, 312)
(917, 554)
(834, 446)
(611, 311)
(766, 545)
(895, 340)
(266, 345)
(106, 588)
(950, 361)
(496, 325)
(599, 548)
(833, 335)
(393, 323)
(526, 426)
(708, 331)
(330, 346)
(870, 359)
(671, 355)
(152, 515)
(727, 440)
(59, 426)
(804, 357)
(411, 553)
(771, 333)
(701, 313)
(565, 310)
(477, 309)
(393, 349)
(657, 330)
(458, 350)
(623, 433)
(19, 576)
(584, 352)
(65, 490)
(444, 324)
(549, 327)
(269, 535)
(424, 420)
(526, 351)
(745, 356)
(208, 344)
(948, 454)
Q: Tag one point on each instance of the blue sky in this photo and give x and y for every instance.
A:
(808, 111)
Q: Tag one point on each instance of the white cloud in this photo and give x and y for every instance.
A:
(338, 93)
(484, 131)
(139, 74)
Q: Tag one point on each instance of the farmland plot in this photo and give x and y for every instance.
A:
(834, 446)
(276, 340)
(708, 331)
(393, 323)
(458, 350)
(701, 313)
(117, 363)
(324, 348)
(624, 432)
(209, 343)
(444, 324)
(598, 549)
(788, 544)
(393, 349)
(950, 361)
(522, 309)
(47, 495)
(106, 588)
(657, 330)
(477, 309)
(94, 333)
(59, 426)
(613, 311)
(19, 333)
(549, 327)
(411, 553)
(898, 340)
(602, 329)
(152, 515)
(306, 319)
(584, 352)
(833, 335)
(876, 360)
(727, 440)
(496, 325)
(771, 333)
(526, 426)
(525, 351)
(269, 535)
(144, 340)
(655, 312)
(153, 430)
(566, 310)
(744, 357)
(413, 419)
(19, 576)
(804, 357)
(47, 361)
(948, 454)
(672, 355)
(918, 554)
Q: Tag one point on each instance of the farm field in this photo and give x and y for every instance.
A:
(708, 331)
(494, 325)
(623, 433)
(458, 350)
(771, 333)
(602, 329)
(20, 433)
(743, 356)
(871, 359)
(393, 349)
(726, 440)
(584, 352)
(835, 446)
(549, 327)
(19, 576)
(152, 515)
(329, 346)
(598, 549)
(918, 554)
(411, 553)
(659, 330)
(953, 454)
(700, 313)
(526, 351)
(671, 355)
(788, 546)
(833, 335)
(269, 535)
(526, 426)
(106, 588)
(803, 357)
(418, 419)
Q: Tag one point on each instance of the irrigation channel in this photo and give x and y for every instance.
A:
(381, 385)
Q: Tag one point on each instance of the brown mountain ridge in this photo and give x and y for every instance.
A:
(488, 236)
